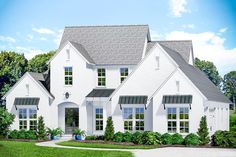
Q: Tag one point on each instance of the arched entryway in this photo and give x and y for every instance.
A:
(68, 117)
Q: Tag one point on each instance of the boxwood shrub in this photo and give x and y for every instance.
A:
(150, 138)
(224, 139)
(137, 138)
(191, 140)
(127, 136)
(166, 139)
(92, 137)
(23, 134)
(177, 139)
(118, 137)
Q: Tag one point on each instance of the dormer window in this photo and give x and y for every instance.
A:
(124, 72)
(68, 76)
(68, 54)
(101, 77)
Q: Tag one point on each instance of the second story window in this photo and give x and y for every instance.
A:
(124, 72)
(101, 77)
(68, 76)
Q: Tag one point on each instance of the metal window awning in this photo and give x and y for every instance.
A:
(139, 99)
(26, 101)
(100, 93)
(177, 99)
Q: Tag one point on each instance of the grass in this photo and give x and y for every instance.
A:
(29, 149)
(105, 145)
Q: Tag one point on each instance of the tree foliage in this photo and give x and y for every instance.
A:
(6, 119)
(109, 131)
(203, 131)
(12, 67)
(41, 131)
(229, 85)
(39, 62)
(210, 70)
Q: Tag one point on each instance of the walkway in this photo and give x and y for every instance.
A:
(159, 152)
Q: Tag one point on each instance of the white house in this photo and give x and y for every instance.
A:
(118, 71)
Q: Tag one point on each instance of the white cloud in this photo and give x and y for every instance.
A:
(7, 39)
(43, 39)
(209, 46)
(155, 35)
(28, 52)
(43, 30)
(30, 37)
(222, 30)
(178, 7)
(188, 26)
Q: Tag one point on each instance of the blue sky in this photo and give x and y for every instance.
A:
(33, 27)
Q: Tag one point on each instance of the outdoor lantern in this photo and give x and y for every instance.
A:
(67, 95)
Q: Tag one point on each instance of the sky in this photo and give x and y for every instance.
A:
(35, 26)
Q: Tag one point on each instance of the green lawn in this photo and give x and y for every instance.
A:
(29, 149)
(105, 145)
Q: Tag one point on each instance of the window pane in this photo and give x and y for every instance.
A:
(99, 118)
(22, 113)
(32, 113)
(128, 113)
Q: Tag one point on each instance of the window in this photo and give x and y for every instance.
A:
(27, 118)
(128, 119)
(139, 117)
(184, 120)
(99, 119)
(124, 72)
(68, 76)
(23, 119)
(172, 120)
(33, 119)
(133, 122)
(158, 62)
(101, 77)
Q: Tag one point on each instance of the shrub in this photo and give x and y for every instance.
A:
(118, 137)
(203, 131)
(191, 140)
(6, 119)
(21, 134)
(127, 136)
(166, 139)
(109, 131)
(233, 122)
(31, 134)
(90, 137)
(150, 138)
(177, 139)
(79, 132)
(158, 137)
(101, 137)
(41, 129)
(54, 132)
(224, 139)
(13, 134)
(137, 137)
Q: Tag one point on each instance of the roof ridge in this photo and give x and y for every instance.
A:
(171, 40)
(118, 25)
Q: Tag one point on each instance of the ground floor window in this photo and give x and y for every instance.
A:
(27, 119)
(133, 119)
(178, 119)
(99, 119)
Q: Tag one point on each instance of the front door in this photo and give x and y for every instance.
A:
(71, 120)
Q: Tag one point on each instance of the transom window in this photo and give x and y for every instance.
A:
(124, 72)
(133, 119)
(178, 120)
(101, 77)
(27, 119)
(68, 76)
(99, 119)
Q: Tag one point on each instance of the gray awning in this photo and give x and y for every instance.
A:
(139, 99)
(26, 101)
(177, 99)
(100, 93)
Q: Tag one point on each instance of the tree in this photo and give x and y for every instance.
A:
(203, 131)
(12, 67)
(229, 85)
(41, 129)
(210, 70)
(109, 132)
(6, 119)
(39, 62)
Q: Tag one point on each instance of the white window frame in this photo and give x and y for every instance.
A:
(23, 120)
(67, 82)
(140, 119)
(133, 119)
(28, 119)
(100, 78)
(123, 74)
(33, 119)
(184, 120)
(100, 120)
(172, 119)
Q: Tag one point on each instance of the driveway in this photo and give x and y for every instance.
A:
(159, 152)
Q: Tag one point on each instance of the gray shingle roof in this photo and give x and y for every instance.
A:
(106, 45)
(198, 78)
(43, 80)
(100, 93)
